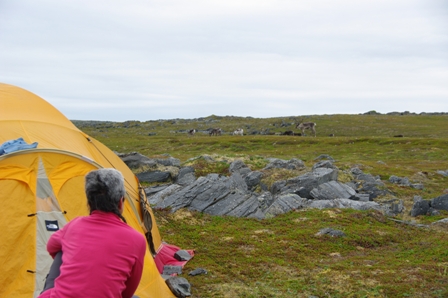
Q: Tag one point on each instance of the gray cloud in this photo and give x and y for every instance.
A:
(140, 60)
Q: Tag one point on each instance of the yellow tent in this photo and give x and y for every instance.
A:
(44, 186)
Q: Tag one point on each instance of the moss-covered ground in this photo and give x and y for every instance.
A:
(284, 256)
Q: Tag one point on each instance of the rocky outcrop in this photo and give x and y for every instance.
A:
(304, 184)
(404, 182)
(243, 194)
(429, 207)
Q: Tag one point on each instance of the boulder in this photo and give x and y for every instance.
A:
(237, 166)
(443, 173)
(440, 203)
(285, 203)
(420, 208)
(367, 184)
(343, 203)
(168, 162)
(442, 222)
(186, 176)
(324, 164)
(136, 160)
(392, 207)
(179, 286)
(292, 164)
(419, 186)
(330, 232)
(332, 190)
(253, 179)
(265, 200)
(216, 195)
(149, 191)
(302, 185)
(400, 181)
(198, 271)
(155, 198)
(154, 176)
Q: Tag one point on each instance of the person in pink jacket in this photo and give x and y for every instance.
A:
(101, 255)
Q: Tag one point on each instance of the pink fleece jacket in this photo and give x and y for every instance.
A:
(101, 257)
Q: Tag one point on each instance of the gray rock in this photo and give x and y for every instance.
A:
(324, 164)
(302, 185)
(292, 164)
(158, 197)
(149, 191)
(440, 203)
(207, 158)
(374, 190)
(352, 184)
(179, 286)
(247, 208)
(237, 166)
(433, 212)
(244, 172)
(441, 222)
(216, 195)
(154, 176)
(186, 176)
(332, 190)
(253, 179)
(343, 203)
(417, 186)
(393, 207)
(331, 232)
(420, 207)
(136, 160)
(184, 196)
(182, 255)
(363, 197)
(356, 171)
(443, 173)
(265, 200)
(367, 184)
(398, 180)
(198, 271)
(168, 162)
(369, 179)
(172, 269)
(285, 203)
(417, 199)
(234, 202)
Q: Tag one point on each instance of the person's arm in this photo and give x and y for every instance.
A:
(136, 273)
(54, 244)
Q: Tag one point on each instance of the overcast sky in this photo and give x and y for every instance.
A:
(148, 60)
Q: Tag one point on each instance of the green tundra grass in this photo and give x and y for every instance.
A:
(284, 256)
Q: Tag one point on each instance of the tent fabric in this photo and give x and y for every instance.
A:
(165, 256)
(43, 188)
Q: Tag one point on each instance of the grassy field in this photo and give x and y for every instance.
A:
(284, 256)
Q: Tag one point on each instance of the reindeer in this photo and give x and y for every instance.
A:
(191, 132)
(239, 131)
(306, 125)
(215, 132)
(288, 133)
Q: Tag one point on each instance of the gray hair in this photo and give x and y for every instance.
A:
(104, 189)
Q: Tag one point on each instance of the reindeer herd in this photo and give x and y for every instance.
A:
(303, 126)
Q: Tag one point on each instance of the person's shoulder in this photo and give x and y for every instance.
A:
(136, 233)
(74, 221)
(137, 239)
(131, 231)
